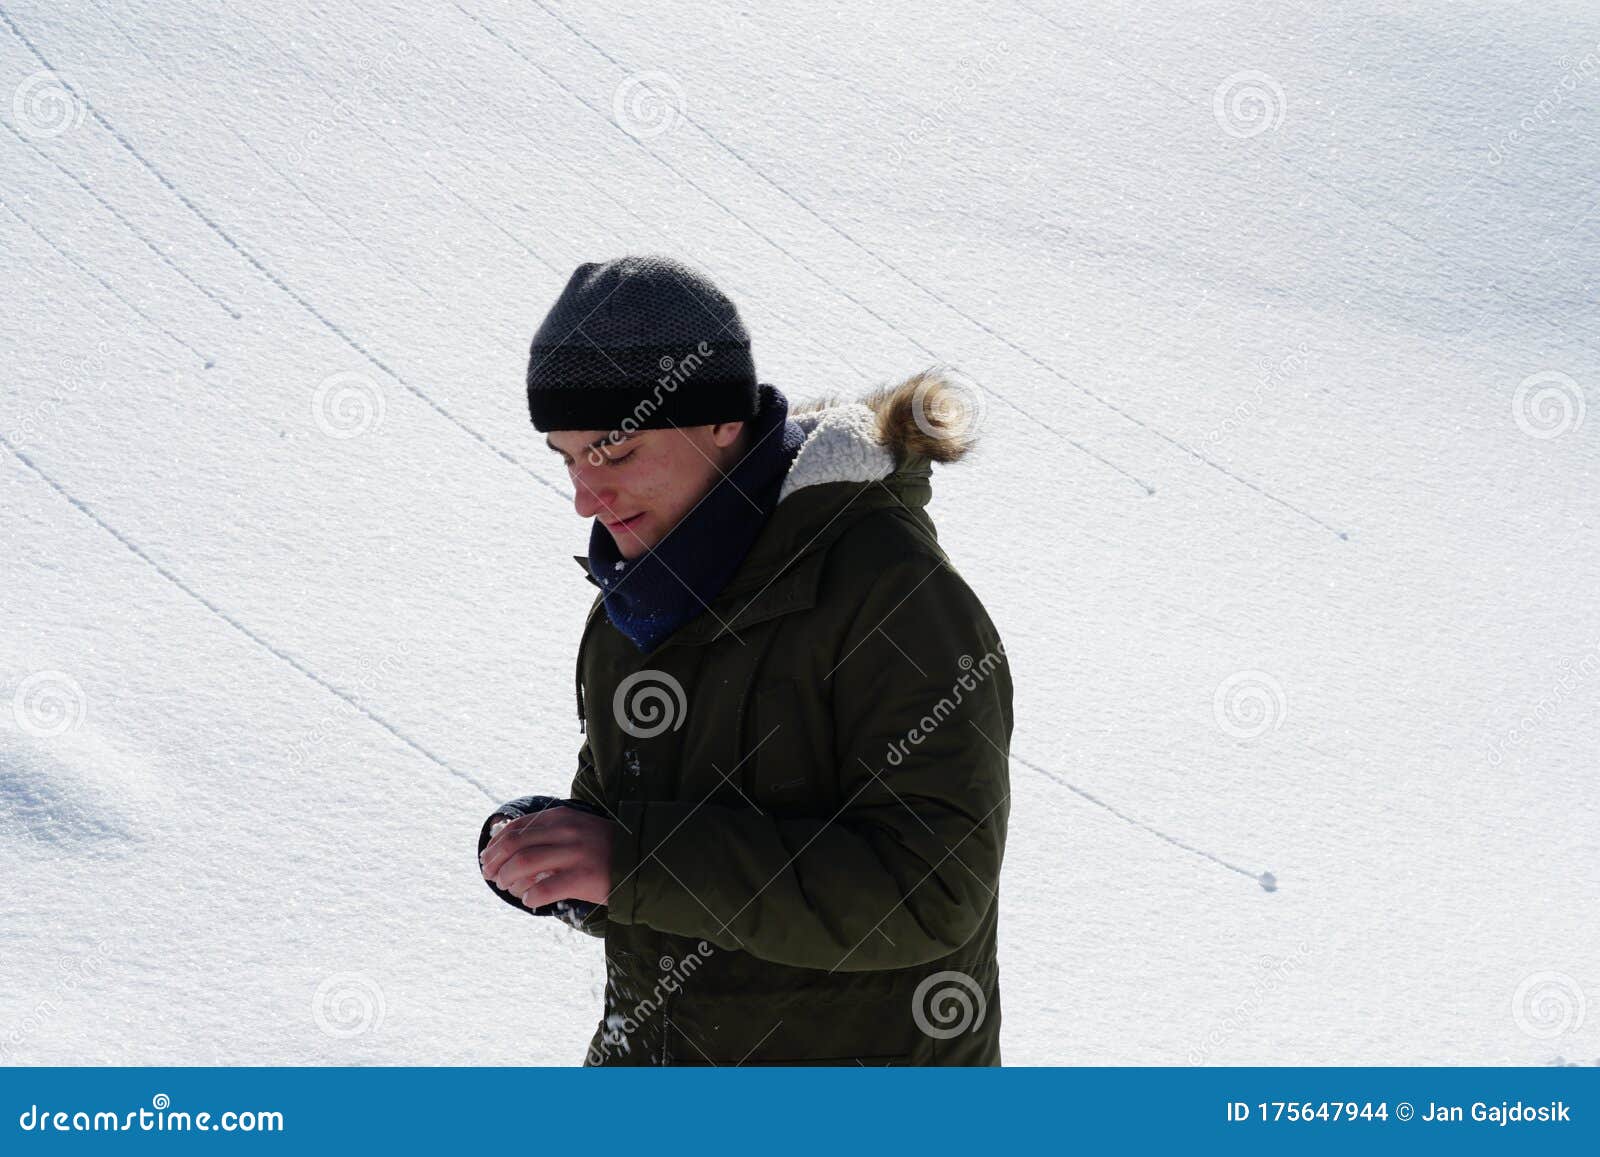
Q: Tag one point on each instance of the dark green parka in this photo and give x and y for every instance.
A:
(810, 780)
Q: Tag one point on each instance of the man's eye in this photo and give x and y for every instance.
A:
(610, 461)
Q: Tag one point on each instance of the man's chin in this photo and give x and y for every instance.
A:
(629, 545)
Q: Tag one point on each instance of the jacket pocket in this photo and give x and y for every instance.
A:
(787, 732)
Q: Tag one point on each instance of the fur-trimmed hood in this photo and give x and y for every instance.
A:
(929, 416)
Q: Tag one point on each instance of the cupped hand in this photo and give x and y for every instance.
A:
(559, 853)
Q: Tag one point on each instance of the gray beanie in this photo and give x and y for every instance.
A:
(644, 342)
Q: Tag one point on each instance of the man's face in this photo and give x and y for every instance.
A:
(639, 486)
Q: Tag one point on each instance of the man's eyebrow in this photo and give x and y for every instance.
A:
(595, 445)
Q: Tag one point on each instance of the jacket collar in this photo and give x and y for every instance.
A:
(792, 589)
(781, 573)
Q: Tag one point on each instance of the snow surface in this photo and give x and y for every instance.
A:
(1285, 505)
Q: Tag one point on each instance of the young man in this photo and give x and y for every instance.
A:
(789, 813)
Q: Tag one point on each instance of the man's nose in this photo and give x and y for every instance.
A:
(590, 497)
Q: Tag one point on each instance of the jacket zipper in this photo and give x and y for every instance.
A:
(577, 667)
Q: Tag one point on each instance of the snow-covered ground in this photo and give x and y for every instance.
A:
(1286, 506)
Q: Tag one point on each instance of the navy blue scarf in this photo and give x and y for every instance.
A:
(650, 597)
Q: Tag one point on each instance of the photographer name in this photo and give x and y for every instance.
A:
(1505, 1113)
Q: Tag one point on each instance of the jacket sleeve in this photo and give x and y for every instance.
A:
(907, 868)
(586, 790)
(581, 914)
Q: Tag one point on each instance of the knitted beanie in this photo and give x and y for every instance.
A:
(638, 343)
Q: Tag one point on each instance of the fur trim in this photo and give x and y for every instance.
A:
(925, 416)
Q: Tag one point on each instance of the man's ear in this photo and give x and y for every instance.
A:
(725, 434)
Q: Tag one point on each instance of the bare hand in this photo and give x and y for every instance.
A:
(559, 853)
